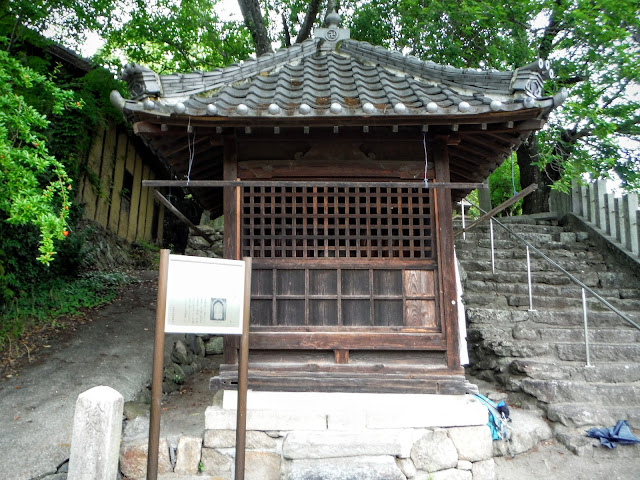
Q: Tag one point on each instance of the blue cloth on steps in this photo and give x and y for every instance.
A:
(611, 437)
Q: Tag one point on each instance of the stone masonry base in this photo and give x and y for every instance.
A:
(334, 436)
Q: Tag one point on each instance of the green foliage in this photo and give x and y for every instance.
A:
(504, 183)
(57, 297)
(34, 185)
(170, 37)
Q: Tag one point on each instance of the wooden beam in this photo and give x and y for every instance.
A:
(162, 199)
(531, 188)
(319, 183)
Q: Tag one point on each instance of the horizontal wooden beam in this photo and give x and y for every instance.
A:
(531, 188)
(305, 183)
(347, 340)
(162, 199)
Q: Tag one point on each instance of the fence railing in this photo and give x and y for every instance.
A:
(616, 218)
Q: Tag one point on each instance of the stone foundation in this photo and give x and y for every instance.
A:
(339, 436)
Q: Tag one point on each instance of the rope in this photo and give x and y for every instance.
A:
(192, 150)
(426, 160)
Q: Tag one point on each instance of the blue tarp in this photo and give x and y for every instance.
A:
(611, 437)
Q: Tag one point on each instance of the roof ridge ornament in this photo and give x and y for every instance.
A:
(331, 34)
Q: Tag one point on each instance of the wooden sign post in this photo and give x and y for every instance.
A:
(202, 296)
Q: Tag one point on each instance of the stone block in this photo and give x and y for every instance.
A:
(449, 474)
(217, 418)
(216, 464)
(227, 439)
(133, 458)
(484, 470)
(262, 466)
(331, 444)
(434, 451)
(188, 455)
(97, 429)
(407, 467)
(351, 468)
(464, 465)
(473, 443)
(347, 420)
(449, 411)
(527, 430)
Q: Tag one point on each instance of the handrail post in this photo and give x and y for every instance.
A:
(493, 259)
(529, 281)
(586, 328)
(464, 231)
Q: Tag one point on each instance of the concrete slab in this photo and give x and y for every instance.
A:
(380, 410)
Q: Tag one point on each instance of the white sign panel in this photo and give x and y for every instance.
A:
(205, 295)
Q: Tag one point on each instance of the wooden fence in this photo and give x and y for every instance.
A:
(112, 192)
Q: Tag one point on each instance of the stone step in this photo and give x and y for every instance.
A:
(549, 278)
(478, 316)
(598, 352)
(539, 289)
(629, 305)
(537, 265)
(565, 391)
(596, 335)
(549, 369)
(608, 280)
(483, 252)
(586, 414)
(569, 352)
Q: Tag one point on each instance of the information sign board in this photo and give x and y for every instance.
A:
(205, 295)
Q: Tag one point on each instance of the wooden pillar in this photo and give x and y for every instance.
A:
(231, 244)
(446, 265)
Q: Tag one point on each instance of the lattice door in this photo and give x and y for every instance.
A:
(319, 256)
(326, 222)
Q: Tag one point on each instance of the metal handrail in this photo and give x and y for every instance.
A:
(558, 267)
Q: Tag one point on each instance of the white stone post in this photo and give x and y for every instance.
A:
(612, 229)
(584, 197)
(576, 199)
(97, 428)
(630, 209)
(599, 191)
(620, 221)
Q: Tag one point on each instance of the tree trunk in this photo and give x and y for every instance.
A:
(538, 201)
(255, 23)
(309, 19)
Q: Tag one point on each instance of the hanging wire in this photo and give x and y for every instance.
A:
(513, 176)
(426, 160)
(191, 143)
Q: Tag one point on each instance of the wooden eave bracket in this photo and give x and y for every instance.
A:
(491, 213)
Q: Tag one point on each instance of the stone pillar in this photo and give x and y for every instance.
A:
(484, 198)
(576, 198)
(599, 191)
(612, 229)
(630, 209)
(620, 221)
(586, 208)
(97, 428)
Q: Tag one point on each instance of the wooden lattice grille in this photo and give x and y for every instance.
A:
(326, 222)
(344, 297)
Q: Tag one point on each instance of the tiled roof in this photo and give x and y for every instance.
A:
(355, 80)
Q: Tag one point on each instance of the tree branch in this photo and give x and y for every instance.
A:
(255, 23)
(309, 19)
(285, 27)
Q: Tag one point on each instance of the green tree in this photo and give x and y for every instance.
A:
(170, 36)
(34, 186)
(594, 47)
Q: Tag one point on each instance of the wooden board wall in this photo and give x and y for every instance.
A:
(130, 215)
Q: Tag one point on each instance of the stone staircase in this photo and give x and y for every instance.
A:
(539, 356)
